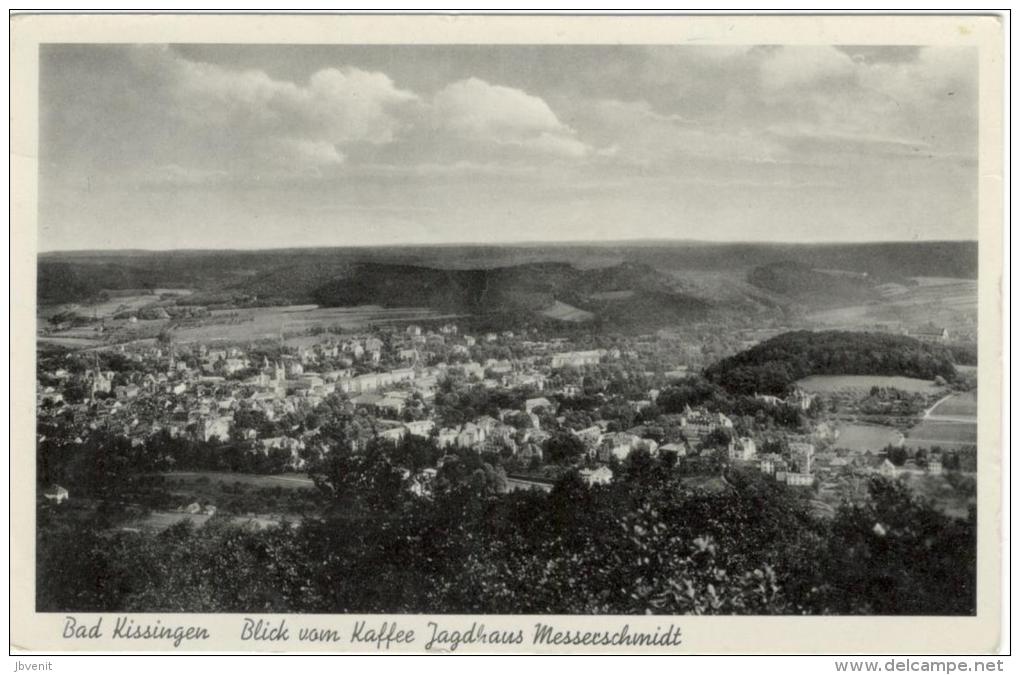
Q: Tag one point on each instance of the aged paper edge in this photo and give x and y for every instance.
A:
(32, 631)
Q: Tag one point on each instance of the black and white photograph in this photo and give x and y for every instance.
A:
(486, 329)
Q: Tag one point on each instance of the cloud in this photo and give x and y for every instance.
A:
(924, 104)
(476, 111)
(634, 132)
(339, 105)
(297, 153)
(791, 67)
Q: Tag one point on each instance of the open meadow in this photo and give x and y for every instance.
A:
(863, 437)
(271, 322)
(829, 384)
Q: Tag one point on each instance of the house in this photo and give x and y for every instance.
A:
(772, 464)
(591, 437)
(100, 383)
(233, 365)
(447, 437)
(293, 445)
(770, 400)
(394, 434)
(799, 479)
(530, 450)
(801, 456)
(56, 494)
(125, 392)
(470, 435)
(532, 404)
(742, 449)
(577, 359)
(570, 391)
(800, 399)
(883, 467)
(932, 334)
(421, 484)
(215, 428)
(367, 401)
(420, 428)
(825, 431)
(618, 445)
(698, 423)
(600, 476)
(679, 449)
(390, 404)
(935, 465)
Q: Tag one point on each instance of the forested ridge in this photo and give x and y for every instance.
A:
(645, 544)
(774, 365)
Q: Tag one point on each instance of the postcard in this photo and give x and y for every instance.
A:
(507, 334)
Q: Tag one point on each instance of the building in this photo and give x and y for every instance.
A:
(577, 359)
(447, 437)
(883, 467)
(799, 479)
(932, 334)
(56, 494)
(532, 404)
(801, 456)
(600, 476)
(800, 399)
(390, 404)
(742, 449)
(215, 428)
(618, 445)
(471, 435)
(421, 428)
(698, 423)
(591, 437)
(679, 449)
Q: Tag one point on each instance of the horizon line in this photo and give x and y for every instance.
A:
(510, 244)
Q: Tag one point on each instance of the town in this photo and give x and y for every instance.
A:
(528, 406)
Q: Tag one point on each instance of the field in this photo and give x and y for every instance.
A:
(951, 435)
(861, 437)
(561, 311)
(957, 405)
(952, 423)
(949, 302)
(118, 302)
(70, 342)
(270, 322)
(828, 384)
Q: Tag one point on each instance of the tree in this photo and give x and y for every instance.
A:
(563, 448)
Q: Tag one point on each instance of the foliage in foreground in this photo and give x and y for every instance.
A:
(645, 544)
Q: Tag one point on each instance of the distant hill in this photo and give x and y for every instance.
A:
(620, 281)
(806, 285)
(774, 365)
(62, 282)
(625, 294)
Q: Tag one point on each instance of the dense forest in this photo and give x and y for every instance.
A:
(774, 365)
(292, 275)
(646, 543)
(807, 285)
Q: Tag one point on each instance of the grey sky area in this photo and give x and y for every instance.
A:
(226, 146)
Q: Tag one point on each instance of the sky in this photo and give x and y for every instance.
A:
(267, 146)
